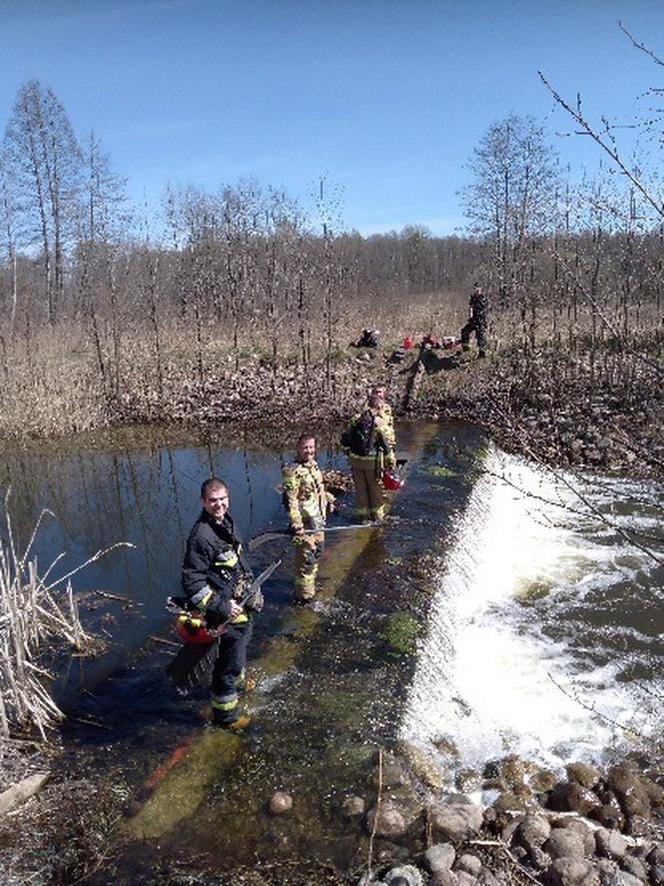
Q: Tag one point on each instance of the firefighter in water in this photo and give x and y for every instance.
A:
(370, 443)
(308, 504)
(214, 574)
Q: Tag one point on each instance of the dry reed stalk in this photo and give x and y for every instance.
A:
(32, 615)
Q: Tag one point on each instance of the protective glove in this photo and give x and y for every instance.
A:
(218, 608)
(256, 601)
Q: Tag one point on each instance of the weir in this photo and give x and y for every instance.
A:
(524, 651)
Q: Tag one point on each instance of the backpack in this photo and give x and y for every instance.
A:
(358, 438)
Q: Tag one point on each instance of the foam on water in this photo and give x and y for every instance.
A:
(489, 680)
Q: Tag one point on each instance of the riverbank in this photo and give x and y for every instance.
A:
(555, 408)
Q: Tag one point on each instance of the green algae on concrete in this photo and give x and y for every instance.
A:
(400, 632)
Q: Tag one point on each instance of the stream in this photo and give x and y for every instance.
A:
(536, 597)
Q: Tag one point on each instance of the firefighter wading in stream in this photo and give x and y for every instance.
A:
(308, 504)
(214, 575)
(370, 443)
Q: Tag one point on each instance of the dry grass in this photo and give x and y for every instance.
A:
(37, 615)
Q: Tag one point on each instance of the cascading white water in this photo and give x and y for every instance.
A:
(503, 668)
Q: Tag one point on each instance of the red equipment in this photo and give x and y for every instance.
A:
(408, 343)
(391, 480)
(191, 628)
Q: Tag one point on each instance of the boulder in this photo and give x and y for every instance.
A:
(533, 831)
(353, 807)
(439, 857)
(280, 803)
(564, 843)
(627, 879)
(582, 830)
(610, 843)
(471, 864)
(387, 820)
(632, 795)
(455, 821)
(609, 872)
(542, 781)
(572, 872)
(405, 875)
(465, 879)
(583, 774)
(656, 854)
(635, 867)
(657, 875)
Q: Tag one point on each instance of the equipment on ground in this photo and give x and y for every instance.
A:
(200, 649)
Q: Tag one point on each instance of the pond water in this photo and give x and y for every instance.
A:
(540, 615)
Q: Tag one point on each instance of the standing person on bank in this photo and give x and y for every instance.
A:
(308, 504)
(477, 321)
(214, 574)
(370, 443)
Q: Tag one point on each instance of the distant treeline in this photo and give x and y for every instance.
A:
(84, 278)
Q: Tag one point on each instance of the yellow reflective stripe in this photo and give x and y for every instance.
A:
(240, 619)
(206, 599)
(224, 705)
(189, 621)
(232, 561)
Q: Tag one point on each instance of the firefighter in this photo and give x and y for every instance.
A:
(214, 573)
(308, 504)
(477, 321)
(370, 443)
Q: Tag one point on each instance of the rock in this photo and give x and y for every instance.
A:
(444, 878)
(542, 781)
(610, 843)
(468, 780)
(22, 791)
(624, 781)
(406, 875)
(580, 799)
(439, 857)
(540, 859)
(582, 830)
(609, 815)
(280, 803)
(390, 822)
(533, 832)
(564, 844)
(609, 872)
(635, 867)
(572, 872)
(656, 854)
(393, 773)
(353, 807)
(469, 863)
(655, 792)
(629, 879)
(465, 879)
(455, 821)
(657, 875)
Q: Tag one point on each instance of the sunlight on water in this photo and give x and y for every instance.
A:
(491, 679)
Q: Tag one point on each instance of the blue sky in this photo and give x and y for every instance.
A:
(385, 99)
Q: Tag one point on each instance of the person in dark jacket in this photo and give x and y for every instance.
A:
(214, 575)
(477, 321)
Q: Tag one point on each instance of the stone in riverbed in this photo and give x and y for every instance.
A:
(624, 781)
(455, 821)
(609, 872)
(572, 872)
(280, 803)
(581, 829)
(439, 857)
(353, 807)
(635, 867)
(610, 844)
(585, 775)
(533, 831)
(564, 844)
(444, 878)
(468, 863)
(406, 875)
(387, 819)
